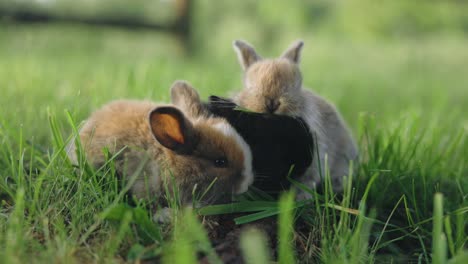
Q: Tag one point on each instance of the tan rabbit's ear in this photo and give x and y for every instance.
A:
(170, 128)
(184, 96)
(245, 53)
(293, 52)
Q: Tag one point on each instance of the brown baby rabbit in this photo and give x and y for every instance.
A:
(176, 143)
(275, 86)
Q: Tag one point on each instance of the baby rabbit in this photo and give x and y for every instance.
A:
(275, 86)
(278, 142)
(179, 146)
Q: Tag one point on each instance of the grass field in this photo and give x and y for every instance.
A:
(406, 101)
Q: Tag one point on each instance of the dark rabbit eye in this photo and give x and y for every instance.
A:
(221, 162)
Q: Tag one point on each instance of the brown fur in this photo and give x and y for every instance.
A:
(187, 99)
(275, 86)
(187, 148)
(273, 80)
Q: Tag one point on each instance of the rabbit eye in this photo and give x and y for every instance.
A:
(221, 162)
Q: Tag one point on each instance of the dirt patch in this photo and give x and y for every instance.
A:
(225, 236)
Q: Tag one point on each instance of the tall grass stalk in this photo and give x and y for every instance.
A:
(439, 240)
(254, 247)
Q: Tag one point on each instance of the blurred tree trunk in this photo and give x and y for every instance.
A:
(182, 24)
(180, 27)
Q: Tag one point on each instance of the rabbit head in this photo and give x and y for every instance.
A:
(270, 85)
(203, 153)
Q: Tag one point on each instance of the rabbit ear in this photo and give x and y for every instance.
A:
(221, 106)
(184, 96)
(293, 52)
(245, 53)
(170, 128)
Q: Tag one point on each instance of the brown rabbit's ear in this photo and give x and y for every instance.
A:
(172, 130)
(293, 52)
(184, 96)
(246, 53)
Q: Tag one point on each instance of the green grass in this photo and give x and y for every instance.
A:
(405, 100)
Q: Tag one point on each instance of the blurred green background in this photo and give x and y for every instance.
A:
(383, 57)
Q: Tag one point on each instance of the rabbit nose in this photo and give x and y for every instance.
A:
(272, 105)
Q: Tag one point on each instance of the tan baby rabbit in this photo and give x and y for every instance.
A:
(275, 86)
(175, 142)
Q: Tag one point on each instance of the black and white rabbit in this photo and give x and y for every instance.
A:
(278, 143)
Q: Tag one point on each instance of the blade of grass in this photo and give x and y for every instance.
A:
(254, 247)
(439, 251)
(286, 253)
(241, 207)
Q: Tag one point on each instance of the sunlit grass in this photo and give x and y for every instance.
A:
(405, 101)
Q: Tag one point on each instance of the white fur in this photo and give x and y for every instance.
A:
(248, 174)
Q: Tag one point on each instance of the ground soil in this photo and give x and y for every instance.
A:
(225, 235)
